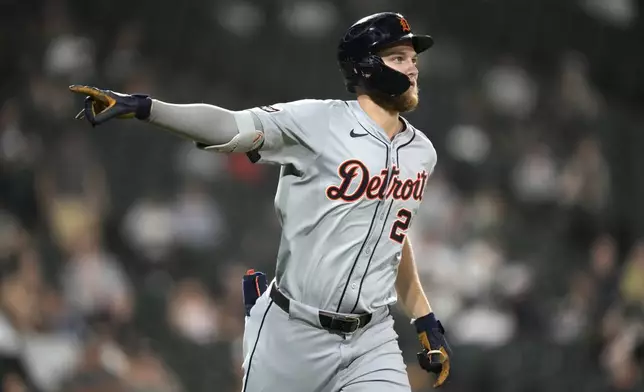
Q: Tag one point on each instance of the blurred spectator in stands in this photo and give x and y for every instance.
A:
(147, 373)
(577, 97)
(192, 313)
(482, 321)
(605, 274)
(69, 56)
(72, 189)
(100, 367)
(441, 211)
(124, 58)
(231, 315)
(617, 13)
(148, 229)
(310, 19)
(20, 289)
(94, 282)
(486, 213)
(57, 316)
(439, 266)
(197, 220)
(572, 319)
(584, 187)
(13, 383)
(510, 89)
(242, 18)
(469, 144)
(632, 282)
(19, 154)
(585, 181)
(535, 177)
(200, 165)
(622, 357)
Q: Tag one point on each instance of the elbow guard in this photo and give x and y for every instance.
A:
(249, 137)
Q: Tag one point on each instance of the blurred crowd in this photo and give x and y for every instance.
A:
(122, 247)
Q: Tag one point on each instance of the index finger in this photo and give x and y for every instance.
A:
(87, 90)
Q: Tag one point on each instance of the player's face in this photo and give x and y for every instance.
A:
(403, 58)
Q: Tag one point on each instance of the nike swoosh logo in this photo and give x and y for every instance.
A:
(353, 134)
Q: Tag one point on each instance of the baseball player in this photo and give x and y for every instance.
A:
(352, 176)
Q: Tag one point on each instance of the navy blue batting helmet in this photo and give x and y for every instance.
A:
(357, 52)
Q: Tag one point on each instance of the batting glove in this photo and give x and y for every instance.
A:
(435, 357)
(104, 105)
(254, 284)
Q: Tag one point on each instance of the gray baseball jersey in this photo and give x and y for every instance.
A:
(346, 197)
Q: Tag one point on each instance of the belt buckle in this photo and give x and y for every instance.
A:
(357, 324)
(352, 322)
(346, 324)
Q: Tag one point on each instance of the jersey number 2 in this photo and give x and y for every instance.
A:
(400, 226)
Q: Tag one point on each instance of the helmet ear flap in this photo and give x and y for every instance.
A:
(375, 75)
(351, 75)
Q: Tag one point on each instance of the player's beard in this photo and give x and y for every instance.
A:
(403, 103)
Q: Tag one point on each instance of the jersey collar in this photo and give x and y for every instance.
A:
(402, 137)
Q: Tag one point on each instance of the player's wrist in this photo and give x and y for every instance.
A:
(143, 106)
(427, 322)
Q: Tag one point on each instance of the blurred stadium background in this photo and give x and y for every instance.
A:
(122, 247)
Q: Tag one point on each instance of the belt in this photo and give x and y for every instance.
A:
(332, 322)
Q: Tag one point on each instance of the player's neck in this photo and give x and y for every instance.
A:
(388, 120)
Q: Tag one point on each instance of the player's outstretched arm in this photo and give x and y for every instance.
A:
(435, 356)
(221, 129)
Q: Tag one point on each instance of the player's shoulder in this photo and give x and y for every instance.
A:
(421, 138)
(423, 141)
(306, 105)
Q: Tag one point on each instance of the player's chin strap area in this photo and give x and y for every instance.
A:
(379, 77)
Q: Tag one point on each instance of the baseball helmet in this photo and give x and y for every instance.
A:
(357, 57)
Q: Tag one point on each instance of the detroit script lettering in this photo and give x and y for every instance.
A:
(376, 187)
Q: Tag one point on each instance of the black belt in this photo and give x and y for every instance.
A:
(330, 321)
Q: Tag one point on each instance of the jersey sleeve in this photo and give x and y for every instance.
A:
(294, 132)
(433, 159)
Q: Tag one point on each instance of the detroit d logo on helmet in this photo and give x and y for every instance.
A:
(405, 25)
